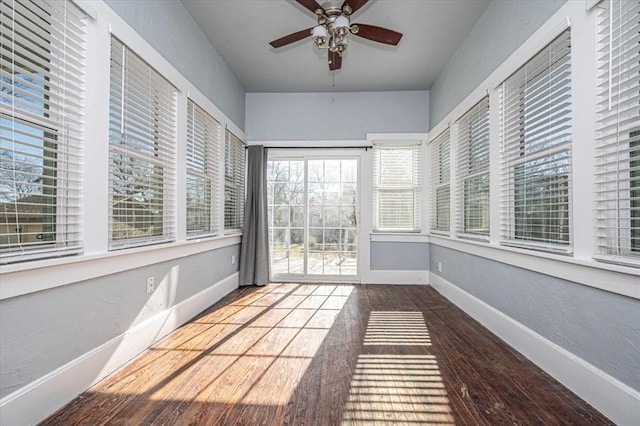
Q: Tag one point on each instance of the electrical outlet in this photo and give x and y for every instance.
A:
(151, 285)
(233, 259)
(439, 266)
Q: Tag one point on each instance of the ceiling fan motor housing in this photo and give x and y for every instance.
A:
(334, 8)
(334, 26)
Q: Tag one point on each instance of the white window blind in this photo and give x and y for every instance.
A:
(234, 164)
(42, 68)
(472, 216)
(142, 153)
(536, 133)
(440, 183)
(204, 139)
(618, 133)
(396, 187)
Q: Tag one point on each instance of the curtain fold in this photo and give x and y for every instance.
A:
(254, 252)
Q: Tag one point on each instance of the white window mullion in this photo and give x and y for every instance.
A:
(222, 162)
(213, 162)
(180, 207)
(96, 167)
(453, 190)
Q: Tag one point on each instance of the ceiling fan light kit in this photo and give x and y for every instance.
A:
(333, 29)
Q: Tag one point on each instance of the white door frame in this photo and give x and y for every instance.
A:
(363, 220)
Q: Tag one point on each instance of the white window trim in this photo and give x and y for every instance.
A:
(96, 261)
(613, 278)
(24, 278)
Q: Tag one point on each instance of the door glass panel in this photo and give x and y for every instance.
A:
(313, 233)
(285, 200)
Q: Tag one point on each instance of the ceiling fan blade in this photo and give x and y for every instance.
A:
(293, 37)
(312, 5)
(379, 34)
(335, 61)
(354, 4)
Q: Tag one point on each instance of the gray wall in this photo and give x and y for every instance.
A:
(335, 116)
(399, 256)
(600, 327)
(42, 331)
(169, 28)
(504, 26)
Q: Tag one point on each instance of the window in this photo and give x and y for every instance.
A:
(473, 171)
(204, 138)
(618, 133)
(233, 183)
(536, 137)
(396, 187)
(440, 187)
(142, 134)
(42, 66)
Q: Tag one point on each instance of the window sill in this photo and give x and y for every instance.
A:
(28, 277)
(613, 278)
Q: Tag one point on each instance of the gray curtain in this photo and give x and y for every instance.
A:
(254, 252)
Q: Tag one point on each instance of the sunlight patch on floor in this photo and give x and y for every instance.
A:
(273, 339)
(405, 328)
(397, 389)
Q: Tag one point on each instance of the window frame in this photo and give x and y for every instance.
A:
(519, 150)
(415, 147)
(617, 142)
(440, 164)
(234, 160)
(161, 153)
(210, 161)
(60, 120)
(468, 137)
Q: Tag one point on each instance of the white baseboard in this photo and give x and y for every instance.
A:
(614, 399)
(395, 277)
(35, 401)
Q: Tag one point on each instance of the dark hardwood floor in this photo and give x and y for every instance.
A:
(327, 355)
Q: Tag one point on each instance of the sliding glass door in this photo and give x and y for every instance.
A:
(313, 217)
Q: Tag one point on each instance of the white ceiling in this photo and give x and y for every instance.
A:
(240, 31)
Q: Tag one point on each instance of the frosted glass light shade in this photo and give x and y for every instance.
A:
(320, 35)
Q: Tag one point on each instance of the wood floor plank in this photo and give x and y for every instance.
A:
(300, 354)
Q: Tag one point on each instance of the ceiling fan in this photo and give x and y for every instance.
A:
(334, 27)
